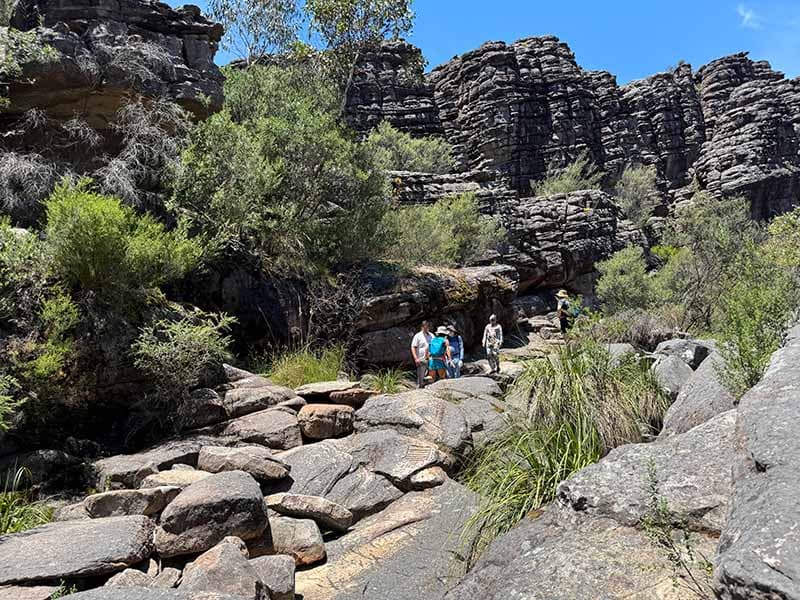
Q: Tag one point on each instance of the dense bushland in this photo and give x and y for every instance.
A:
(398, 151)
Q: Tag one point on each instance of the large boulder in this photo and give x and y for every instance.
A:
(363, 492)
(759, 550)
(323, 421)
(277, 574)
(203, 407)
(75, 549)
(691, 351)
(701, 398)
(481, 401)
(179, 478)
(128, 470)
(256, 460)
(275, 428)
(417, 414)
(246, 397)
(416, 538)
(396, 457)
(585, 558)
(203, 514)
(299, 538)
(692, 471)
(150, 502)
(315, 468)
(672, 373)
(224, 569)
(326, 513)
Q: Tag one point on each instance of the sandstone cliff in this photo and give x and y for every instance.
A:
(526, 109)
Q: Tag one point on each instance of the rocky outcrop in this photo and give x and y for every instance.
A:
(104, 52)
(527, 109)
(759, 551)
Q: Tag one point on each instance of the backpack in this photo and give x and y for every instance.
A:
(437, 347)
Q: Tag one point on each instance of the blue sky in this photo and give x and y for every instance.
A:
(631, 39)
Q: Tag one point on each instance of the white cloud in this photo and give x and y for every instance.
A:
(750, 19)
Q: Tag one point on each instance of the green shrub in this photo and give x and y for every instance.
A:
(581, 174)
(637, 193)
(398, 151)
(24, 275)
(9, 387)
(753, 315)
(275, 174)
(177, 353)
(581, 403)
(450, 233)
(103, 246)
(18, 512)
(624, 283)
(645, 329)
(783, 246)
(299, 367)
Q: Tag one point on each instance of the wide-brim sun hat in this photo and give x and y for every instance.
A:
(452, 330)
(562, 294)
(493, 317)
(441, 330)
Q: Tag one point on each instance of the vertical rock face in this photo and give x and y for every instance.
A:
(527, 109)
(106, 50)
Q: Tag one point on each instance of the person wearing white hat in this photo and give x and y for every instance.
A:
(563, 310)
(439, 355)
(492, 342)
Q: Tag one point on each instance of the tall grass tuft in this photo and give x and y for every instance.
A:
(386, 381)
(304, 365)
(581, 403)
(17, 511)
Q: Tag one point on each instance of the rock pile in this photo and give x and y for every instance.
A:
(272, 483)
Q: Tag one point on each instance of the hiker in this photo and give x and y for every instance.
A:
(492, 341)
(456, 353)
(419, 351)
(564, 310)
(438, 355)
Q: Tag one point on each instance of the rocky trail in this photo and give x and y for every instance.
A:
(335, 492)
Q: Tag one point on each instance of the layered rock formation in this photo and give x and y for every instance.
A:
(105, 52)
(527, 109)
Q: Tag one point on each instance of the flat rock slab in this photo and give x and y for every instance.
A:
(150, 501)
(702, 398)
(314, 392)
(759, 550)
(417, 414)
(206, 512)
(405, 552)
(364, 493)
(326, 513)
(480, 399)
(256, 460)
(75, 549)
(180, 478)
(588, 559)
(324, 421)
(142, 593)
(38, 592)
(244, 400)
(693, 471)
(354, 397)
(128, 470)
(466, 387)
(274, 428)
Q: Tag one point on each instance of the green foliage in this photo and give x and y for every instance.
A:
(624, 283)
(581, 174)
(398, 151)
(63, 591)
(24, 272)
(637, 193)
(18, 49)
(103, 246)
(783, 246)
(581, 403)
(253, 30)
(18, 512)
(353, 24)
(58, 316)
(299, 367)
(386, 381)
(276, 174)
(9, 387)
(752, 317)
(690, 569)
(177, 353)
(450, 233)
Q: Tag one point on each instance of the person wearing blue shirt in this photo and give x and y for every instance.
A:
(456, 352)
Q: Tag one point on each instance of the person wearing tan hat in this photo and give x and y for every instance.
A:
(439, 355)
(563, 311)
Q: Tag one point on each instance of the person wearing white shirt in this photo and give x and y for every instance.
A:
(419, 351)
